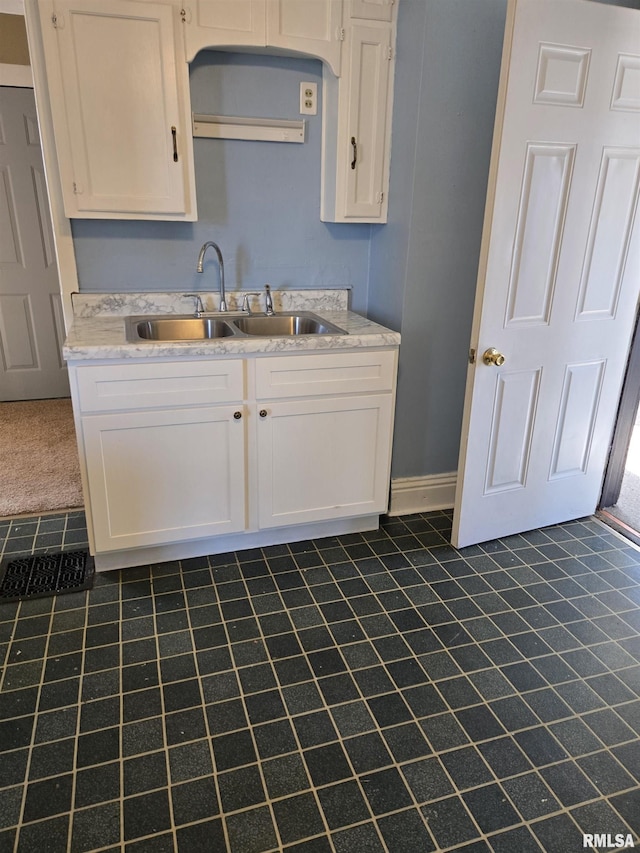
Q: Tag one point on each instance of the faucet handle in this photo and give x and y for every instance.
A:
(268, 301)
(199, 307)
(245, 302)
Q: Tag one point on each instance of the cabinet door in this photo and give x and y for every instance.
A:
(210, 23)
(307, 26)
(372, 10)
(156, 477)
(364, 124)
(117, 98)
(323, 459)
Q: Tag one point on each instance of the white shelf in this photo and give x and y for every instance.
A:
(261, 129)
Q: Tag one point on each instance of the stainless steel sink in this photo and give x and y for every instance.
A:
(279, 325)
(177, 329)
(189, 328)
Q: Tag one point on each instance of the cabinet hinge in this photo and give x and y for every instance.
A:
(340, 33)
(472, 356)
(77, 188)
(389, 53)
(379, 198)
(185, 15)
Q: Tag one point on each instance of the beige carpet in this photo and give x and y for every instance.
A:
(39, 468)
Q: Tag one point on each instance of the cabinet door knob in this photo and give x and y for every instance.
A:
(263, 413)
(355, 152)
(237, 415)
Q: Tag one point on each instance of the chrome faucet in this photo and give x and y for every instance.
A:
(268, 302)
(199, 268)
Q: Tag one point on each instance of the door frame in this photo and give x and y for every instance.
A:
(60, 225)
(623, 428)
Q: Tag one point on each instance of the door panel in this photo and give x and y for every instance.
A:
(31, 326)
(558, 278)
(512, 422)
(543, 203)
(577, 419)
(611, 224)
(9, 241)
(626, 92)
(19, 349)
(562, 75)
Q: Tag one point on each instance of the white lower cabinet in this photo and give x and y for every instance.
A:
(323, 459)
(166, 475)
(180, 450)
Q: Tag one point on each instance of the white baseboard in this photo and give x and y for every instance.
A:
(422, 494)
(109, 560)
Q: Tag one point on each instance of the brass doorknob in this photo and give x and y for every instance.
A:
(492, 356)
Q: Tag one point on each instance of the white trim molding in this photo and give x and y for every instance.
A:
(422, 494)
(12, 7)
(62, 235)
(16, 75)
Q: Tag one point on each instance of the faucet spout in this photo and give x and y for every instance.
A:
(200, 268)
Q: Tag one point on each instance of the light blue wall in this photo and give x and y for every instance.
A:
(424, 262)
(259, 200)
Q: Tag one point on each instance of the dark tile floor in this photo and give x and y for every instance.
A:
(376, 692)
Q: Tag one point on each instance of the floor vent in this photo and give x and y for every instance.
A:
(45, 574)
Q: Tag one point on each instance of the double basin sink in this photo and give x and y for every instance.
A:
(176, 328)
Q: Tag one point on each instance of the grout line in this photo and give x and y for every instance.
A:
(78, 719)
(200, 677)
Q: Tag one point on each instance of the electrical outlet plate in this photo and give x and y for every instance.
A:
(308, 99)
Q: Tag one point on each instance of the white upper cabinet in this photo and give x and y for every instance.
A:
(117, 78)
(232, 23)
(307, 26)
(361, 170)
(358, 146)
(373, 10)
(312, 27)
(119, 92)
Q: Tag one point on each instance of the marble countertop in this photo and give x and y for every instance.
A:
(98, 328)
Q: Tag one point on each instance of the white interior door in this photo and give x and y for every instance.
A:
(559, 273)
(31, 323)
